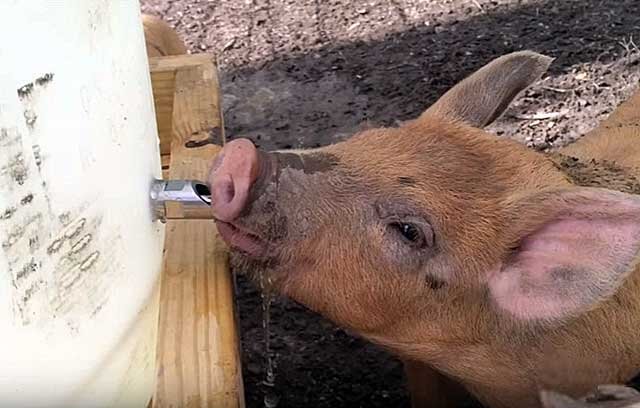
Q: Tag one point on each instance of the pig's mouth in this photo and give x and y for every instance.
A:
(239, 238)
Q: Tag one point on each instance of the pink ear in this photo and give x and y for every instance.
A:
(577, 248)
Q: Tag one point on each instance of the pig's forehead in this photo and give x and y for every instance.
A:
(429, 151)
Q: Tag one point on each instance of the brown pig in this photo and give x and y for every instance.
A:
(484, 265)
(161, 40)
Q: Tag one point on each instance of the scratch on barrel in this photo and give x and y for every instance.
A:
(25, 300)
(37, 155)
(75, 228)
(81, 244)
(79, 283)
(69, 280)
(13, 237)
(26, 199)
(30, 290)
(17, 169)
(8, 213)
(25, 90)
(19, 230)
(71, 233)
(30, 117)
(55, 246)
(90, 261)
(9, 136)
(45, 79)
(27, 269)
(65, 218)
(34, 242)
(98, 309)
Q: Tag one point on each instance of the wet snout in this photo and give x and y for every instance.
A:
(233, 173)
(256, 195)
(240, 174)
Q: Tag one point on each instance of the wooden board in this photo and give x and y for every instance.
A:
(194, 79)
(163, 94)
(198, 345)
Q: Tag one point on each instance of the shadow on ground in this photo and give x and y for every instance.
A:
(320, 97)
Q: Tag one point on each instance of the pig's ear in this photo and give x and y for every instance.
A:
(571, 250)
(483, 96)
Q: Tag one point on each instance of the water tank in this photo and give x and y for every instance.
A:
(80, 256)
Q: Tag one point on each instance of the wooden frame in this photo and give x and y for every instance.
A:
(198, 354)
(187, 100)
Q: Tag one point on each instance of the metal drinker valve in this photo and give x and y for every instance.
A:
(180, 200)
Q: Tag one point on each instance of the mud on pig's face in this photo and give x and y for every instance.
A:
(370, 232)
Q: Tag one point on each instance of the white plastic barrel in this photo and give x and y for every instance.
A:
(79, 254)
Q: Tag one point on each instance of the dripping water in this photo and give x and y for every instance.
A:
(271, 398)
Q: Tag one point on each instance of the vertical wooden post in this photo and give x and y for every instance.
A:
(198, 347)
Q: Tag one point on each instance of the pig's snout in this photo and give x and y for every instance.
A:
(233, 173)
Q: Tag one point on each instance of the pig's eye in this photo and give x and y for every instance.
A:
(411, 233)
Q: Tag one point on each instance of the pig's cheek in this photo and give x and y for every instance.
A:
(297, 281)
(302, 224)
(391, 252)
(299, 222)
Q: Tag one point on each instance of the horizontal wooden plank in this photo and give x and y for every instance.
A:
(198, 113)
(199, 89)
(176, 62)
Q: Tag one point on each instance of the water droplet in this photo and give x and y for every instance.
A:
(271, 398)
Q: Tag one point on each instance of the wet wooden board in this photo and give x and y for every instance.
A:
(198, 345)
(198, 116)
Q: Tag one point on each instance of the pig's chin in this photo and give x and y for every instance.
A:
(241, 240)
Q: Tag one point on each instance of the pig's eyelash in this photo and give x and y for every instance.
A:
(411, 233)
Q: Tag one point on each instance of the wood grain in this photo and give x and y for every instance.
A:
(194, 80)
(198, 353)
(163, 86)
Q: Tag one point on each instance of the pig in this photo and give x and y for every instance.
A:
(160, 39)
(482, 264)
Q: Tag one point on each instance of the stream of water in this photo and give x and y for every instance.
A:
(271, 397)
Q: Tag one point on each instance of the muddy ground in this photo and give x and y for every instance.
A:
(309, 73)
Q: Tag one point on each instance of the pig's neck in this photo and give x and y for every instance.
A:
(485, 368)
(507, 368)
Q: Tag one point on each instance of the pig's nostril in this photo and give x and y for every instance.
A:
(232, 176)
(227, 202)
(224, 191)
(229, 192)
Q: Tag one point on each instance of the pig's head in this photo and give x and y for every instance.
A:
(432, 233)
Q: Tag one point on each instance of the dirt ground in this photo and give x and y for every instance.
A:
(309, 73)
